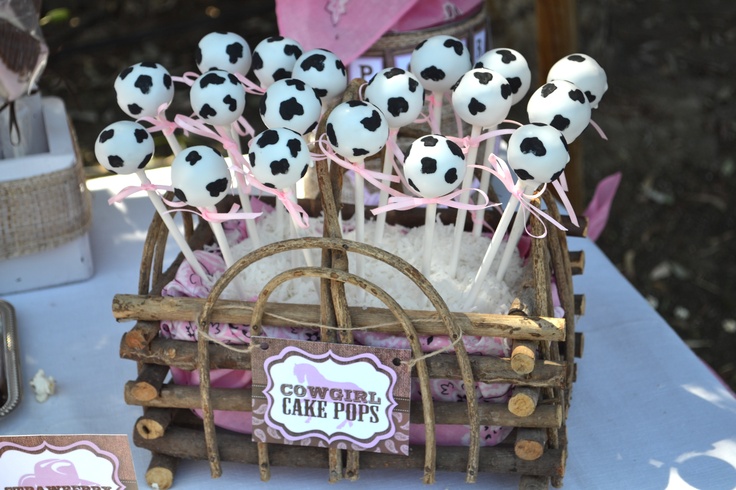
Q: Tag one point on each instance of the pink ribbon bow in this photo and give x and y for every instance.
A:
(197, 126)
(297, 213)
(212, 216)
(371, 176)
(130, 190)
(501, 170)
(404, 202)
(250, 87)
(159, 123)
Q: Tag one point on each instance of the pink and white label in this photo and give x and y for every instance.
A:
(87, 462)
(337, 395)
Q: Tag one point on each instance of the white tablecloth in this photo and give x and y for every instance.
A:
(646, 412)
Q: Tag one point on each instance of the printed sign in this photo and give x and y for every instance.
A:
(338, 395)
(89, 462)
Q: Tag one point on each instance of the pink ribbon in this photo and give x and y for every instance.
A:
(466, 142)
(243, 128)
(250, 87)
(501, 170)
(212, 216)
(188, 78)
(159, 123)
(298, 215)
(130, 190)
(375, 178)
(432, 102)
(599, 130)
(199, 127)
(404, 202)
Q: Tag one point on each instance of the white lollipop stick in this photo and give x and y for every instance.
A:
(463, 199)
(437, 112)
(429, 219)
(388, 163)
(359, 215)
(173, 229)
(491, 146)
(250, 227)
(227, 253)
(493, 247)
(513, 240)
(170, 137)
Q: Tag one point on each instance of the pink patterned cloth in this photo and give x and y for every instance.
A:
(349, 27)
(187, 284)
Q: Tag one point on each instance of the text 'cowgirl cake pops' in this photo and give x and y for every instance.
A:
(292, 104)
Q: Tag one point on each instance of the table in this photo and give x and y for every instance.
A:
(646, 412)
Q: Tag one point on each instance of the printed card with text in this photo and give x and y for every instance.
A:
(337, 395)
(68, 462)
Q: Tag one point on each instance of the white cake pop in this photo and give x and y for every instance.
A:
(217, 97)
(292, 104)
(274, 59)
(398, 94)
(356, 129)
(223, 51)
(562, 105)
(439, 62)
(434, 166)
(142, 89)
(537, 153)
(512, 66)
(482, 97)
(583, 71)
(279, 158)
(200, 176)
(124, 147)
(323, 71)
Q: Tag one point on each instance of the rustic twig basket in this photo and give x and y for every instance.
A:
(541, 366)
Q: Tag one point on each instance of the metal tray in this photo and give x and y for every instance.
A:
(10, 380)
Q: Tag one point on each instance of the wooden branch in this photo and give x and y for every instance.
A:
(187, 397)
(577, 262)
(154, 422)
(161, 471)
(580, 304)
(132, 307)
(148, 384)
(530, 443)
(188, 443)
(141, 334)
(579, 344)
(531, 482)
(487, 369)
(523, 402)
(523, 356)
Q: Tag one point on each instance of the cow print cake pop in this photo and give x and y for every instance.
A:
(398, 94)
(279, 158)
(124, 147)
(217, 97)
(562, 105)
(356, 129)
(274, 59)
(583, 71)
(143, 89)
(223, 51)
(323, 71)
(482, 97)
(538, 153)
(291, 103)
(439, 62)
(200, 176)
(512, 66)
(434, 166)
